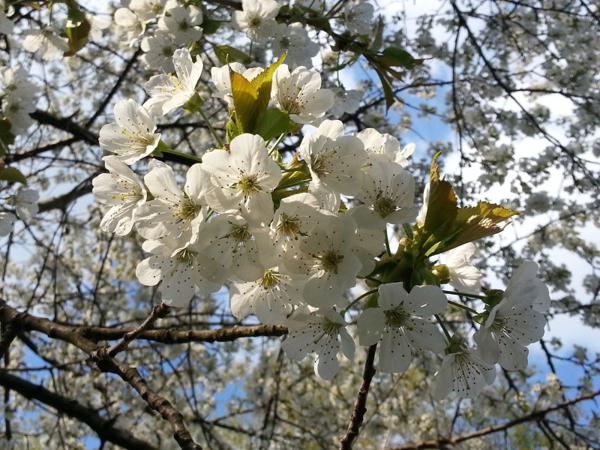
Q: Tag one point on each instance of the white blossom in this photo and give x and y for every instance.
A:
(244, 177)
(129, 24)
(158, 51)
(464, 277)
(257, 18)
(173, 211)
(147, 10)
(270, 297)
(389, 191)
(322, 332)
(169, 92)
(385, 145)
(232, 247)
(515, 322)
(7, 220)
(358, 16)
(123, 192)
(181, 22)
(401, 324)
(45, 42)
(464, 373)
(299, 94)
(25, 202)
(132, 136)
(327, 259)
(178, 269)
(294, 40)
(334, 160)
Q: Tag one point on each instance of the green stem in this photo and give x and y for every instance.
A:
(183, 155)
(443, 325)
(357, 299)
(211, 129)
(465, 307)
(387, 242)
(277, 142)
(464, 294)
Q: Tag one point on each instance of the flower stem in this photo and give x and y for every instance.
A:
(211, 129)
(465, 307)
(464, 294)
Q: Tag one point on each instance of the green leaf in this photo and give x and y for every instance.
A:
(77, 29)
(12, 175)
(262, 83)
(275, 122)
(210, 26)
(378, 33)
(227, 54)
(388, 91)
(6, 136)
(251, 98)
(231, 129)
(245, 102)
(397, 57)
(442, 205)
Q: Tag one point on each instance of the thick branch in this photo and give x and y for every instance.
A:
(104, 428)
(533, 416)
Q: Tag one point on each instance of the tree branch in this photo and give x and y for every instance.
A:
(535, 415)
(104, 428)
(360, 406)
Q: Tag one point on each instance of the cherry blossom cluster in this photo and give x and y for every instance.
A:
(18, 97)
(303, 237)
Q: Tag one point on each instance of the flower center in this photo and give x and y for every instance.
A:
(187, 209)
(254, 22)
(270, 279)
(240, 233)
(185, 256)
(167, 51)
(396, 317)
(331, 328)
(289, 225)
(384, 206)
(319, 164)
(330, 261)
(248, 184)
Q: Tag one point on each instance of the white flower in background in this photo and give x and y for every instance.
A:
(172, 211)
(132, 137)
(463, 372)
(244, 177)
(16, 86)
(345, 101)
(129, 24)
(299, 94)
(25, 202)
(334, 160)
(18, 114)
(257, 18)
(46, 43)
(464, 277)
(385, 145)
(158, 51)
(19, 98)
(294, 40)
(122, 191)
(7, 220)
(6, 25)
(178, 270)
(270, 298)
(389, 191)
(232, 247)
(516, 321)
(358, 17)
(147, 10)
(322, 332)
(524, 284)
(169, 92)
(326, 258)
(98, 24)
(183, 23)
(221, 78)
(401, 323)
